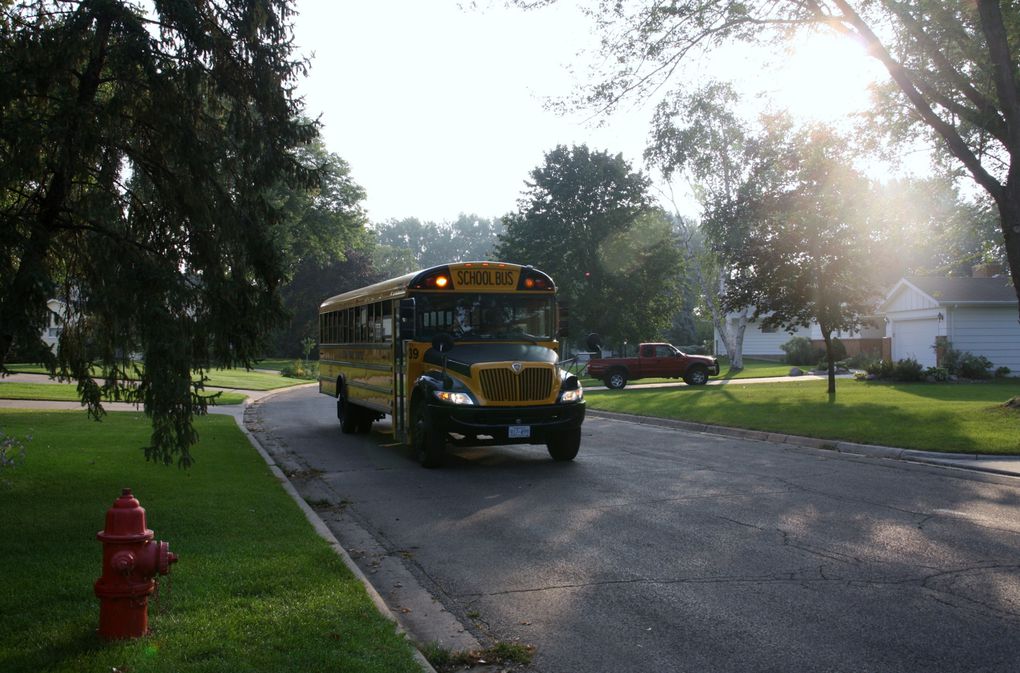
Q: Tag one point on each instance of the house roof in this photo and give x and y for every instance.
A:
(961, 290)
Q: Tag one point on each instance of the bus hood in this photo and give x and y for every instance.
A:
(462, 356)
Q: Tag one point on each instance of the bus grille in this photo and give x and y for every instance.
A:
(533, 384)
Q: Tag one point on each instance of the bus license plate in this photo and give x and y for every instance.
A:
(519, 431)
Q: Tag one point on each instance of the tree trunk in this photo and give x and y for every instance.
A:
(827, 336)
(1009, 220)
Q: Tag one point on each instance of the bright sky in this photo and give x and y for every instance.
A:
(440, 110)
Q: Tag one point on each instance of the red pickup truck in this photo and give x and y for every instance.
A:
(654, 360)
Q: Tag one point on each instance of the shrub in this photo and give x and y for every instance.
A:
(1002, 372)
(882, 369)
(300, 370)
(800, 351)
(937, 374)
(974, 366)
(908, 370)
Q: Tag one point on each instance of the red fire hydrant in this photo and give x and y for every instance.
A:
(131, 561)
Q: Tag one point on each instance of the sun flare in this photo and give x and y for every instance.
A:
(823, 78)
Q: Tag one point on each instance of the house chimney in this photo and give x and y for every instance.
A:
(987, 270)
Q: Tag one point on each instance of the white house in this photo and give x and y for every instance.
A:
(55, 313)
(978, 315)
(767, 344)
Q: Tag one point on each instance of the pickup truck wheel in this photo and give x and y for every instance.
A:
(428, 445)
(616, 379)
(563, 446)
(696, 376)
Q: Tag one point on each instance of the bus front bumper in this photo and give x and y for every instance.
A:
(507, 425)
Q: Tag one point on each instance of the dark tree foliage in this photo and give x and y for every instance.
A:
(588, 220)
(809, 252)
(314, 281)
(138, 151)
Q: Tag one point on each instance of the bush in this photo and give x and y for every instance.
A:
(882, 369)
(1001, 372)
(300, 370)
(908, 370)
(800, 351)
(937, 374)
(974, 366)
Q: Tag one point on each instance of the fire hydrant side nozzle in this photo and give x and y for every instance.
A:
(131, 562)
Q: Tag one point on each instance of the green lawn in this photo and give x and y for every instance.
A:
(255, 588)
(964, 418)
(218, 378)
(68, 392)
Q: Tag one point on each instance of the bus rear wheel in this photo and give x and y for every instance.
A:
(427, 444)
(348, 415)
(563, 446)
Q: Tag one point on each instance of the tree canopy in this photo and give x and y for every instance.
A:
(953, 69)
(588, 220)
(139, 153)
(808, 255)
(409, 244)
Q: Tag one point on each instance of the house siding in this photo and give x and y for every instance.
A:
(768, 344)
(992, 332)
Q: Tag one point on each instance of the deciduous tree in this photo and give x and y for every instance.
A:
(808, 256)
(588, 220)
(953, 67)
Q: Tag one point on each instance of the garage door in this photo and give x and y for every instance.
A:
(915, 339)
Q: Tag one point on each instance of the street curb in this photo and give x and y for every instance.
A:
(837, 446)
(323, 530)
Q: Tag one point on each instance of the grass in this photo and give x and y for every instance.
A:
(239, 379)
(68, 392)
(961, 418)
(255, 588)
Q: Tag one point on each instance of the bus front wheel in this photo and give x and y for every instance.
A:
(563, 446)
(428, 444)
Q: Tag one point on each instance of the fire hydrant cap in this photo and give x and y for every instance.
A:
(125, 520)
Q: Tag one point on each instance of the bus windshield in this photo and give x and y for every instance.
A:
(485, 316)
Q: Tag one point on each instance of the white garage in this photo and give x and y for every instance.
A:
(977, 315)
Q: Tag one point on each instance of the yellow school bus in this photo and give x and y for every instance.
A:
(463, 353)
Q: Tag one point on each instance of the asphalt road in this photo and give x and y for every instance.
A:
(665, 550)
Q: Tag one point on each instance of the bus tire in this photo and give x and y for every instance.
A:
(365, 420)
(427, 444)
(347, 413)
(563, 446)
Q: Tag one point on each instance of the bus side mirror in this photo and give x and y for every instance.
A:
(593, 342)
(407, 318)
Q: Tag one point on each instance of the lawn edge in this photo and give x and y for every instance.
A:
(832, 445)
(323, 530)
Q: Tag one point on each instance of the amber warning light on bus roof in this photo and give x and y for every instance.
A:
(534, 280)
(436, 280)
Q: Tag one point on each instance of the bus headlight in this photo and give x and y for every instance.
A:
(575, 395)
(452, 398)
